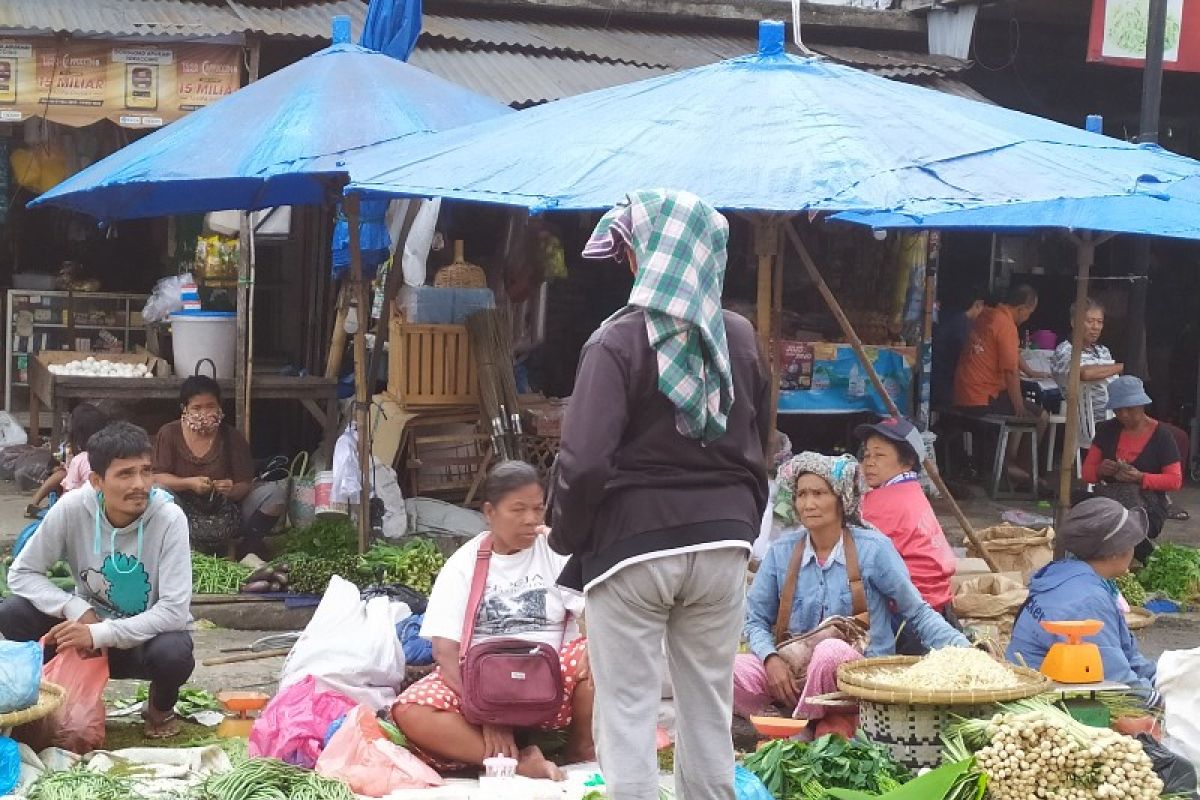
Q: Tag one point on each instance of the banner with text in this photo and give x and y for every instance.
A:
(1119, 27)
(137, 86)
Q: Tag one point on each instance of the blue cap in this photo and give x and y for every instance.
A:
(1127, 391)
(896, 429)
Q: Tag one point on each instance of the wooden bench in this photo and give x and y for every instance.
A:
(1001, 427)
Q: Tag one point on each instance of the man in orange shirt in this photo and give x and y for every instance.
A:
(988, 379)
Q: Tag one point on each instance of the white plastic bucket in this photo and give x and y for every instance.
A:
(200, 335)
(322, 492)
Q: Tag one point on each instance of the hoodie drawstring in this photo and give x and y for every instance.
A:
(112, 539)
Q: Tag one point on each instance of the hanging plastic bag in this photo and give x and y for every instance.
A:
(352, 646)
(347, 484)
(78, 724)
(387, 489)
(292, 726)
(20, 675)
(361, 755)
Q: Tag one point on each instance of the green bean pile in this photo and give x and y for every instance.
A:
(216, 575)
(80, 784)
(270, 779)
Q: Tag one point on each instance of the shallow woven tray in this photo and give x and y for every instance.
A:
(50, 697)
(1137, 618)
(856, 678)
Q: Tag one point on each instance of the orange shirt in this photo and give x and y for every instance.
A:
(992, 349)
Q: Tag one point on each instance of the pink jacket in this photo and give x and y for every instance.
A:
(78, 472)
(902, 512)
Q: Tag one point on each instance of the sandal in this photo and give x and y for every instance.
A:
(33, 512)
(1176, 513)
(165, 728)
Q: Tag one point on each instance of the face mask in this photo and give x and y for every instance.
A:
(202, 422)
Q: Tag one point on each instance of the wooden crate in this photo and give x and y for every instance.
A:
(431, 365)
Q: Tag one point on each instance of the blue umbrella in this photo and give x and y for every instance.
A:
(291, 138)
(768, 132)
(392, 27)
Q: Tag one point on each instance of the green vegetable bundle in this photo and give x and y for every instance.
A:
(1172, 570)
(325, 538)
(415, 563)
(805, 771)
(191, 699)
(269, 779)
(80, 783)
(216, 575)
(310, 575)
(1133, 592)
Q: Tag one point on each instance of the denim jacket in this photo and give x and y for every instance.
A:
(824, 592)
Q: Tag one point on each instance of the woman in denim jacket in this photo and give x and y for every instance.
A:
(820, 496)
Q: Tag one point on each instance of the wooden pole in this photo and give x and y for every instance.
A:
(848, 330)
(362, 399)
(395, 279)
(243, 327)
(337, 345)
(933, 252)
(1085, 254)
(766, 247)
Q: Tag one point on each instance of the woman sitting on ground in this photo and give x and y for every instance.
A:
(897, 506)
(1099, 536)
(822, 495)
(523, 601)
(86, 420)
(208, 467)
(1133, 459)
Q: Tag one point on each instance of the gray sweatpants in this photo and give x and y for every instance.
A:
(694, 602)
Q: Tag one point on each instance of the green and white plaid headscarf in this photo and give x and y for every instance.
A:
(679, 241)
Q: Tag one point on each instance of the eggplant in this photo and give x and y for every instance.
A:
(263, 573)
(256, 587)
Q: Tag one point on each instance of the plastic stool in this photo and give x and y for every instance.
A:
(1018, 426)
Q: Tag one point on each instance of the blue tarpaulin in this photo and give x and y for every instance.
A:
(392, 27)
(770, 132)
(291, 138)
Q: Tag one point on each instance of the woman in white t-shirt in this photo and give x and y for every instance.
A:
(521, 601)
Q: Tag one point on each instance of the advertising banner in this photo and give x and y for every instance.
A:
(78, 82)
(1118, 33)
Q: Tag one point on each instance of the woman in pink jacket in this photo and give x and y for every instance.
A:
(897, 506)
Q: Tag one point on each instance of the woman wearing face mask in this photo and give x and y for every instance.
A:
(207, 465)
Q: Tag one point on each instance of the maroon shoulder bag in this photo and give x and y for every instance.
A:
(510, 682)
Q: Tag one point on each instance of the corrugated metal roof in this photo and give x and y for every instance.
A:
(176, 18)
(520, 79)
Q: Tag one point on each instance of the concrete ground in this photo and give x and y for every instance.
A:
(1177, 631)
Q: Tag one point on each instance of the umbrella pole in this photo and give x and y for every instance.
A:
(848, 330)
(249, 388)
(361, 387)
(1085, 250)
(933, 253)
(240, 382)
(766, 247)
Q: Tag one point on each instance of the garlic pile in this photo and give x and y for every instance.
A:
(99, 368)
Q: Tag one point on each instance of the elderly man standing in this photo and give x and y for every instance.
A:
(660, 489)
(1096, 368)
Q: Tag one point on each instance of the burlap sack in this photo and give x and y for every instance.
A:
(990, 597)
(1016, 549)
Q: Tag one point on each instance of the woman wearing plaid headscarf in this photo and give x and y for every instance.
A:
(820, 498)
(660, 489)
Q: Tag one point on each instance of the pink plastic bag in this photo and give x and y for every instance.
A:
(364, 758)
(78, 724)
(292, 726)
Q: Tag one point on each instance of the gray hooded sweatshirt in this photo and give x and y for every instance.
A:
(138, 579)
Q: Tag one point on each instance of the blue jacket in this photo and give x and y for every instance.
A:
(1071, 590)
(824, 592)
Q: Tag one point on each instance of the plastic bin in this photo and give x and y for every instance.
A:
(200, 335)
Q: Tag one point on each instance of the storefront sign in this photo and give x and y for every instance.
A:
(1118, 33)
(78, 82)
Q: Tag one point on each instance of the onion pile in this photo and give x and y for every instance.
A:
(1037, 750)
(92, 367)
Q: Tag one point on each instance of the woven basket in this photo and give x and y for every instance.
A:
(858, 678)
(1139, 618)
(540, 451)
(50, 697)
(460, 274)
(912, 734)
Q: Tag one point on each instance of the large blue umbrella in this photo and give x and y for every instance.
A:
(291, 138)
(769, 132)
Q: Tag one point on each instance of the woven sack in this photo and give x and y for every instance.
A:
(989, 597)
(1016, 549)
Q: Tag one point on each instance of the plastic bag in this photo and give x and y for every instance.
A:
(362, 756)
(292, 726)
(747, 786)
(1177, 773)
(10, 432)
(387, 489)
(78, 724)
(32, 469)
(1178, 681)
(167, 298)
(10, 765)
(20, 675)
(351, 645)
(346, 481)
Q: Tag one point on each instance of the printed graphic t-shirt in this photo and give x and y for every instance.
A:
(521, 600)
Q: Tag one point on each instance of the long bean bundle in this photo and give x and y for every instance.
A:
(270, 779)
(80, 784)
(216, 575)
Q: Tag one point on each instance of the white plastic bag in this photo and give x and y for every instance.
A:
(420, 236)
(387, 488)
(10, 432)
(352, 646)
(1178, 681)
(167, 298)
(346, 481)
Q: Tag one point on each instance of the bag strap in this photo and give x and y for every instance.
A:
(858, 595)
(478, 582)
(784, 618)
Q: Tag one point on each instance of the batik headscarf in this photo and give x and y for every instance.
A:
(842, 473)
(679, 241)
